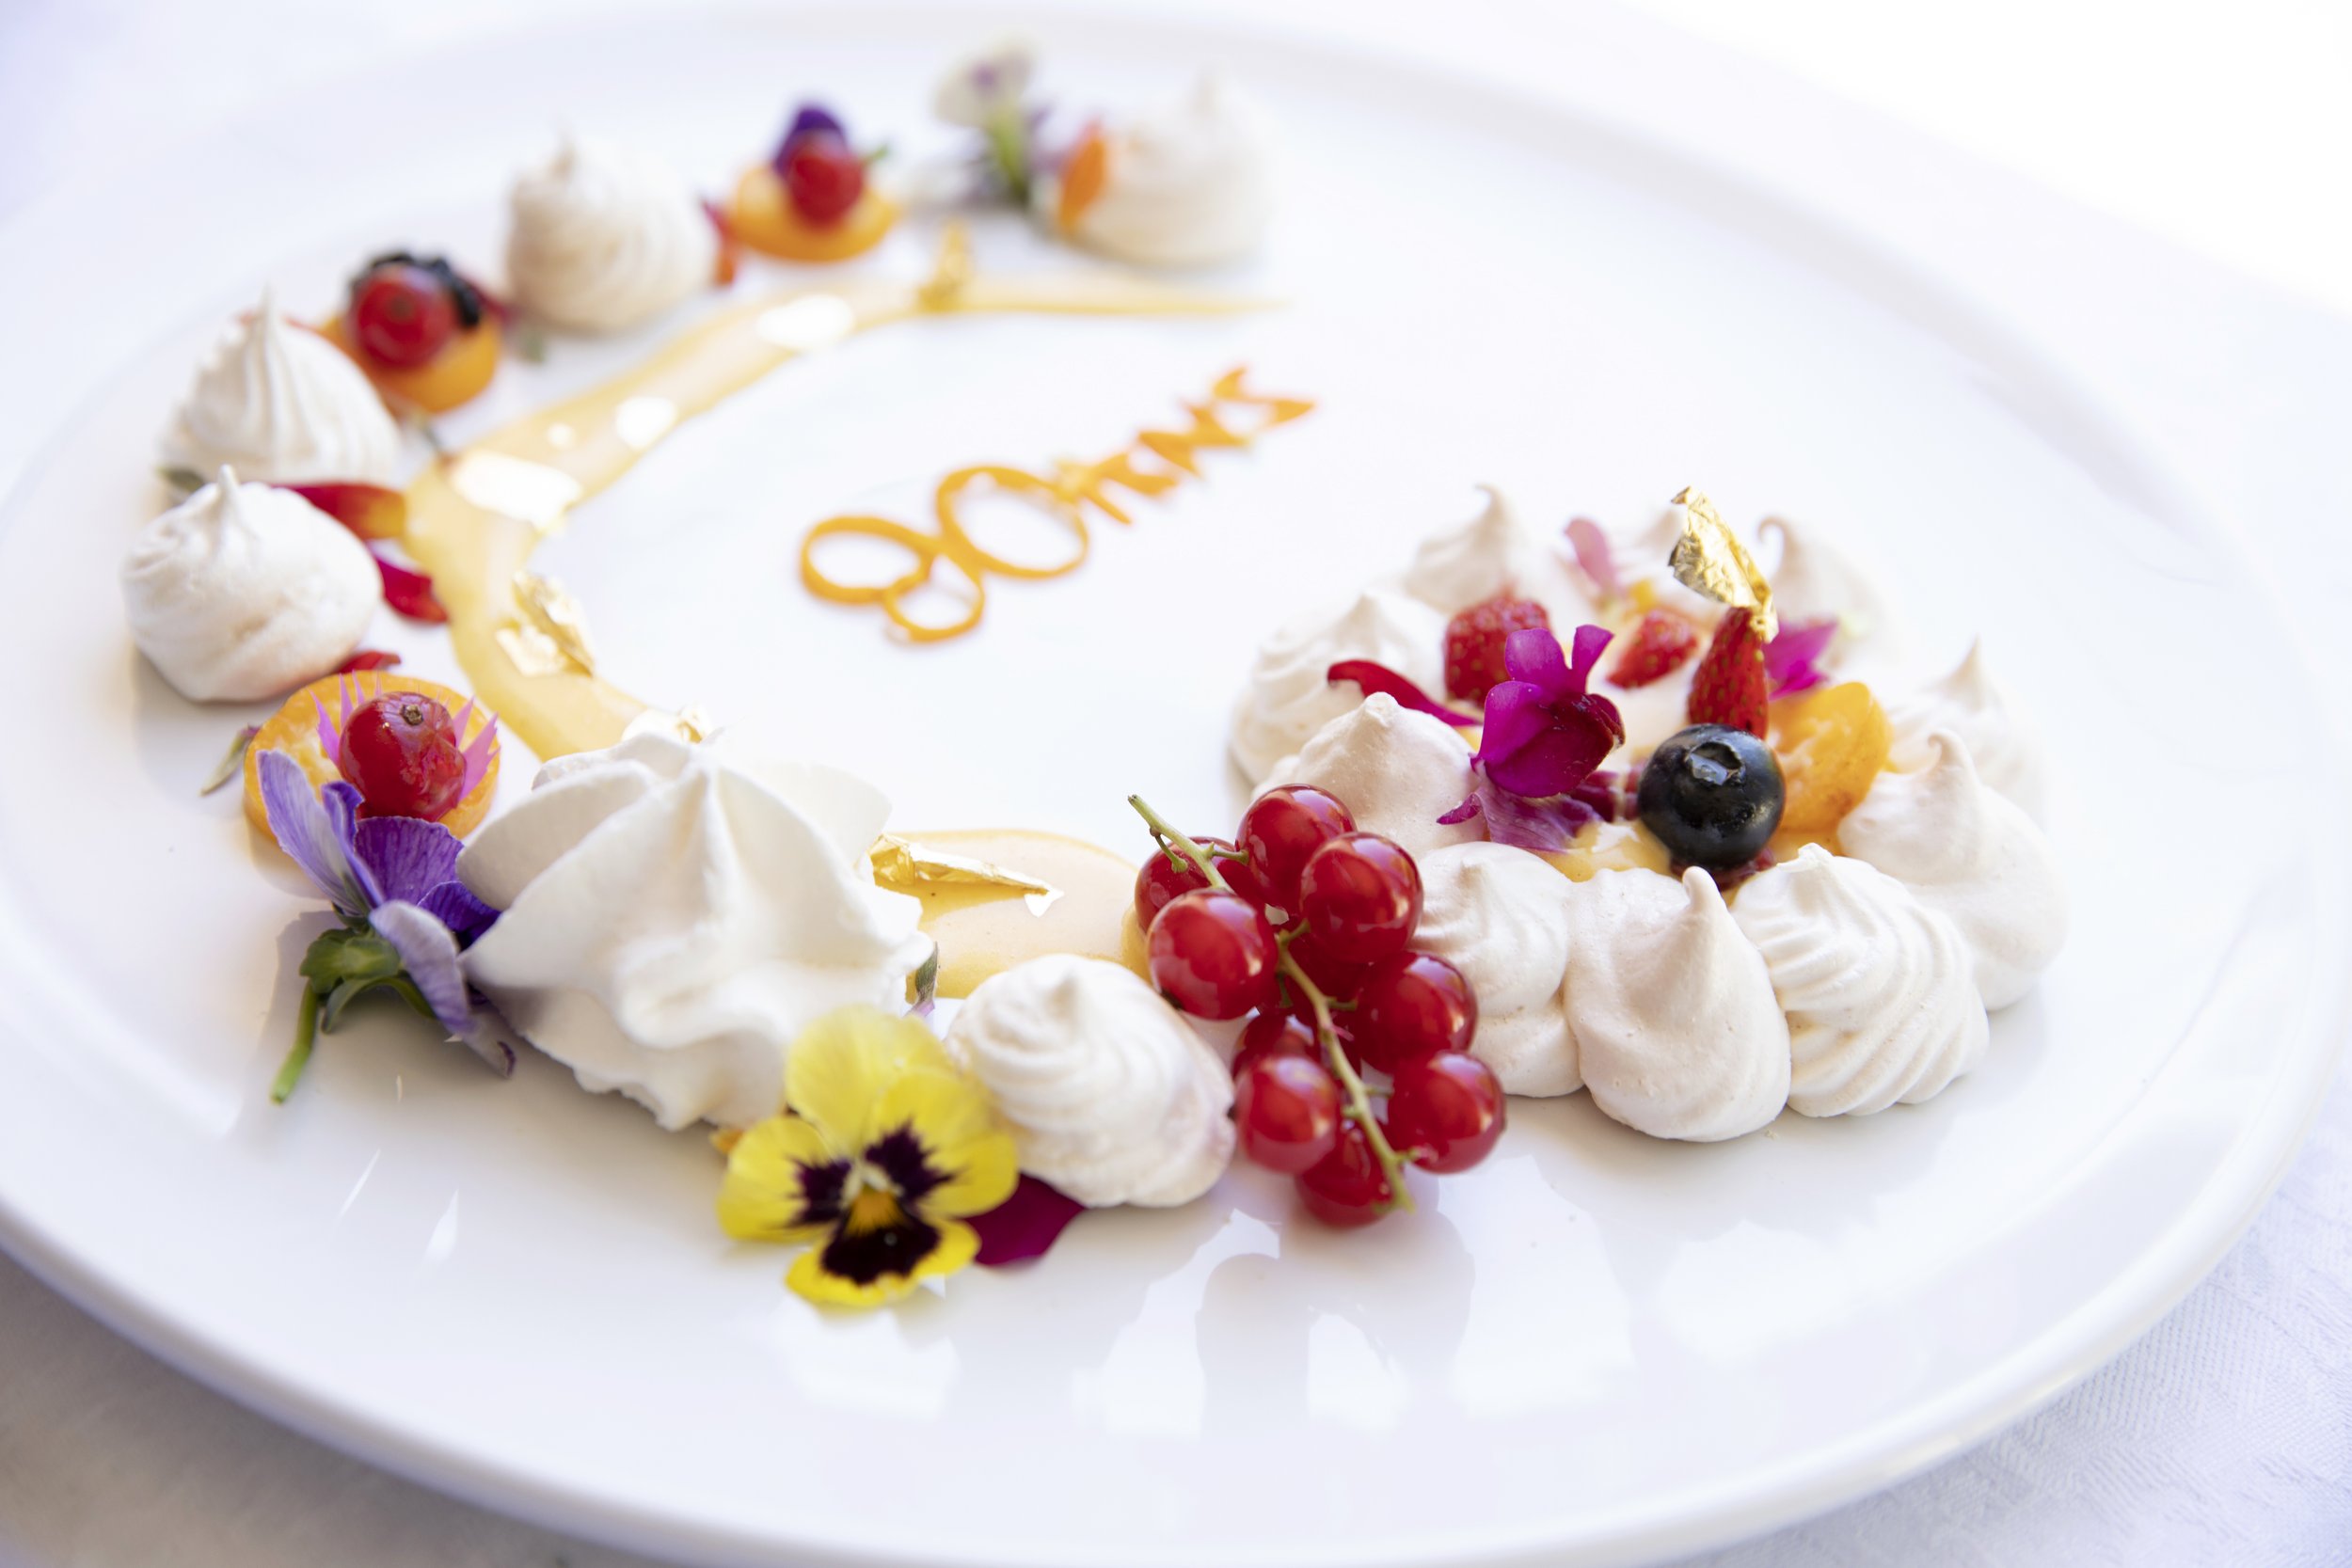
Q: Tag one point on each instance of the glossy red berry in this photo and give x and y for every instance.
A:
(1286, 1110)
(1167, 875)
(400, 751)
(1448, 1108)
(1413, 1004)
(1278, 1033)
(1282, 828)
(1361, 897)
(1213, 954)
(402, 314)
(1338, 981)
(1346, 1187)
(823, 177)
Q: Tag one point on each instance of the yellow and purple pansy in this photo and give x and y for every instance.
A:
(883, 1151)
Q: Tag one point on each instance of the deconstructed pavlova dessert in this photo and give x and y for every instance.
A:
(1681, 863)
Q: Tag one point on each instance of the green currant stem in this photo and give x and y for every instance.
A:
(306, 1035)
(1359, 1108)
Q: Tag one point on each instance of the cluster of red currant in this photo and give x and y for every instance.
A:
(1304, 924)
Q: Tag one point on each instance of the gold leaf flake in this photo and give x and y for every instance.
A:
(551, 639)
(951, 272)
(688, 723)
(904, 866)
(1710, 560)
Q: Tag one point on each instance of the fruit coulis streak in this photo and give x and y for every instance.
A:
(1357, 1107)
(475, 518)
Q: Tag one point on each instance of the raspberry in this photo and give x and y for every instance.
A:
(1729, 686)
(1474, 638)
(1659, 644)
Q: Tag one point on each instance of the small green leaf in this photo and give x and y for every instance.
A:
(926, 982)
(182, 481)
(530, 345)
(349, 954)
(233, 761)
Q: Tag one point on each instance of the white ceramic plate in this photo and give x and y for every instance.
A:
(1594, 1348)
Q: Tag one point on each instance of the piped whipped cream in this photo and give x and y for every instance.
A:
(1969, 854)
(282, 405)
(1494, 553)
(1878, 990)
(1108, 1093)
(605, 237)
(1188, 184)
(1499, 915)
(1974, 705)
(1677, 1032)
(1288, 697)
(1396, 771)
(246, 591)
(1814, 579)
(677, 914)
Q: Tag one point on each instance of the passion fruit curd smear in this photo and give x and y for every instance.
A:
(1833, 743)
(1610, 847)
(984, 931)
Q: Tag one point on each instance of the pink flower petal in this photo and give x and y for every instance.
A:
(1375, 677)
(1592, 554)
(410, 593)
(1535, 655)
(1025, 1224)
(1792, 660)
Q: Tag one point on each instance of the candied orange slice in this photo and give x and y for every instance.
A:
(762, 217)
(1831, 743)
(454, 376)
(1082, 178)
(293, 729)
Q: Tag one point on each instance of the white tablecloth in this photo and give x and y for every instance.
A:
(2224, 1437)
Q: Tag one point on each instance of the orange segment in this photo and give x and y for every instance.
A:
(762, 217)
(1832, 742)
(293, 729)
(1082, 178)
(454, 376)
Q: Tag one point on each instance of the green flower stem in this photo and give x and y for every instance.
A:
(1358, 1107)
(306, 1035)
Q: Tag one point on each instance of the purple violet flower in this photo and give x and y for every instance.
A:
(1545, 733)
(406, 917)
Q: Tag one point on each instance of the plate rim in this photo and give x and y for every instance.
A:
(1880, 1454)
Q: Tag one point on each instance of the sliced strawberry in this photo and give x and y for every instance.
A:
(1474, 638)
(370, 511)
(1729, 688)
(1659, 644)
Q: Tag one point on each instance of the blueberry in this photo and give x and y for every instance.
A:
(1712, 795)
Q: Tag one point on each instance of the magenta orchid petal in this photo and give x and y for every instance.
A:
(1378, 678)
(1025, 1224)
(429, 955)
(307, 829)
(1462, 813)
(1590, 642)
(1534, 656)
(1603, 712)
(1792, 660)
(1594, 555)
(1517, 713)
(1554, 763)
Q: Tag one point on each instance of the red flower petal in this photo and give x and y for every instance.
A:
(367, 658)
(410, 593)
(370, 511)
(1025, 1224)
(1374, 677)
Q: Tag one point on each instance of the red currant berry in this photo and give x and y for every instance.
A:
(1347, 1188)
(1287, 1109)
(1283, 827)
(1361, 895)
(400, 751)
(1169, 875)
(402, 315)
(1275, 1034)
(1413, 1004)
(1449, 1107)
(1338, 981)
(1213, 954)
(823, 177)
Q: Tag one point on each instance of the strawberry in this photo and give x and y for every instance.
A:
(1474, 642)
(1729, 686)
(1657, 649)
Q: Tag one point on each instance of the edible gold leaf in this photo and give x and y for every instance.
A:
(1711, 561)
(553, 636)
(904, 866)
(952, 271)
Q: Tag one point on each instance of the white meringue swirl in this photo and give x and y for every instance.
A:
(246, 590)
(1108, 1093)
(1494, 553)
(1971, 855)
(282, 405)
(1677, 1032)
(1814, 579)
(1395, 770)
(677, 914)
(1289, 696)
(1975, 706)
(1499, 915)
(1879, 988)
(606, 237)
(1189, 184)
